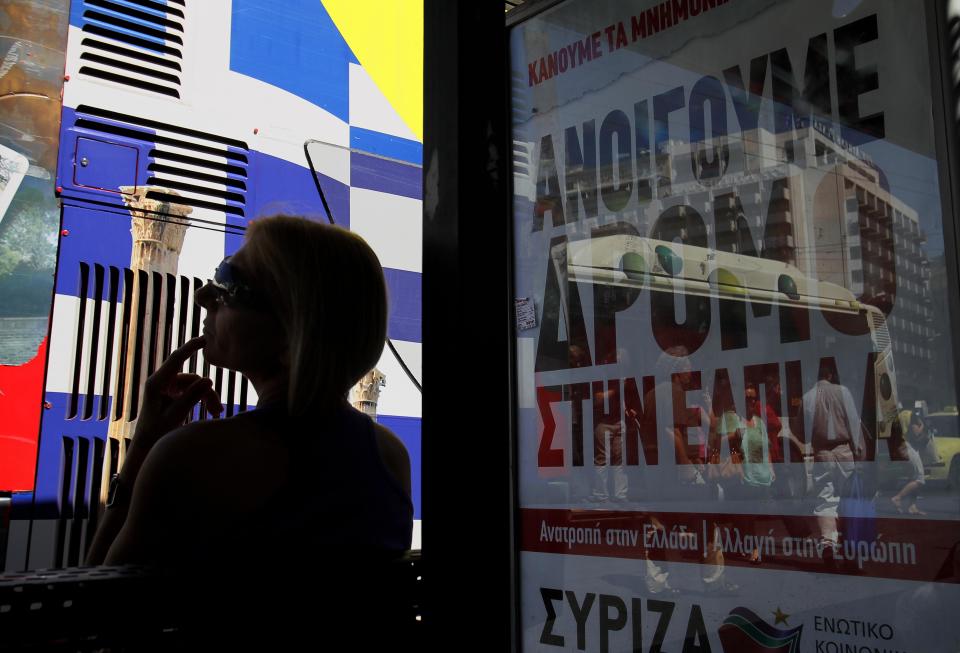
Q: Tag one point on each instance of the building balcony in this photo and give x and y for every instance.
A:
(784, 217)
(868, 226)
(725, 203)
(780, 192)
(779, 242)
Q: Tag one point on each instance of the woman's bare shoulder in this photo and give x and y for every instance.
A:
(238, 431)
(223, 455)
(196, 438)
(389, 443)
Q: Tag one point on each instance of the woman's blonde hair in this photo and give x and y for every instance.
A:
(327, 288)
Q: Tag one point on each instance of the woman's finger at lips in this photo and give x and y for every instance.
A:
(171, 367)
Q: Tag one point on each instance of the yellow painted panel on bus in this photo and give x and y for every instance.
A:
(387, 38)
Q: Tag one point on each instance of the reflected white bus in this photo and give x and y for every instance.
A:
(754, 310)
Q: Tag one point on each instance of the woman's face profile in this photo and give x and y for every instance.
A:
(242, 334)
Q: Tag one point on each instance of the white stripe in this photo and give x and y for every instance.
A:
(132, 74)
(102, 354)
(370, 109)
(213, 196)
(189, 197)
(116, 56)
(206, 156)
(399, 396)
(417, 537)
(63, 337)
(197, 140)
(392, 225)
(202, 248)
(160, 159)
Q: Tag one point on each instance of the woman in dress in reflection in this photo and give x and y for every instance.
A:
(300, 310)
(758, 472)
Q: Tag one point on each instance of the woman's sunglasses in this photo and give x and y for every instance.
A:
(233, 292)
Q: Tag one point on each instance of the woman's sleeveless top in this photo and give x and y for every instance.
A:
(339, 500)
(340, 495)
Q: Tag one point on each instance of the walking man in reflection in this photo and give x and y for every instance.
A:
(837, 444)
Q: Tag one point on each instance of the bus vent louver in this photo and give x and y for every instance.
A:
(200, 169)
(881, 335)
(110, 366)
(82, 461)
(136, 43)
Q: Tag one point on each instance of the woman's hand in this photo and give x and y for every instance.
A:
(169, 396)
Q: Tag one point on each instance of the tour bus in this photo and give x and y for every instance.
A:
(139, 139)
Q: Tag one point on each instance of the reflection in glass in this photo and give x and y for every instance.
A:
(732, 231)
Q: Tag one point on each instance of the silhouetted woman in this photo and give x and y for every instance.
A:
(304, 486)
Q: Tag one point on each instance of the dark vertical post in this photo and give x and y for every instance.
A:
(468, 549)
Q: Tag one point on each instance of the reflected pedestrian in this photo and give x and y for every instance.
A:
(916, 438)
(837, 442)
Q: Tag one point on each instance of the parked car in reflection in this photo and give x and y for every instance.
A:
(946, 430)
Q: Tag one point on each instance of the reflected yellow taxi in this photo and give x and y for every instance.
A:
(946, 428)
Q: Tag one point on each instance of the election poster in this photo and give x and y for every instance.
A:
(737, 424)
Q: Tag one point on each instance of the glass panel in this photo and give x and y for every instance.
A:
(737, 408)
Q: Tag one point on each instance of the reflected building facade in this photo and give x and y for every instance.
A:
(805, 198)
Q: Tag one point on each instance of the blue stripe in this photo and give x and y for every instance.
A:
(129, 32)
(77, 8)
(284, 187)
(293, 45)
(386, 145)
(76, 13)
(231, 243)
(130, 19)
(408, 430)
(146, 10)
(54, 427)
(385, 176)
(95, 236)
(404, 290)
(21, 505)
